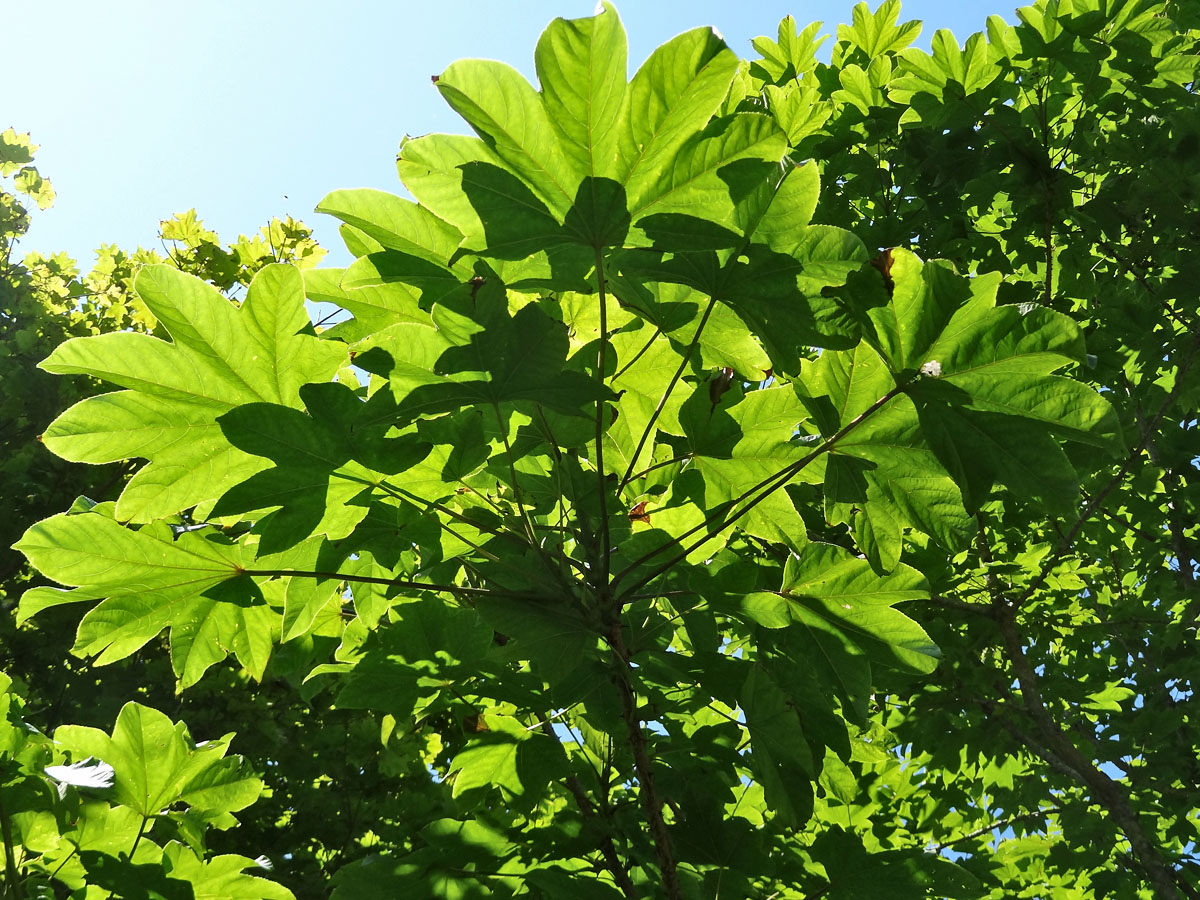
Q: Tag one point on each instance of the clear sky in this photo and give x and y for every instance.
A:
(245, 109)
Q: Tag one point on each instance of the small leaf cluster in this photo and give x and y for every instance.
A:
(76, 808)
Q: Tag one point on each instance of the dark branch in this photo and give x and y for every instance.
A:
(612, 861)
(653, 804)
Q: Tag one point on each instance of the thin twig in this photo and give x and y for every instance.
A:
(392, 582)
(658, 465)
(683, 364)
(633, 360)
(531, 533)
(601, 425)
(1001, 824)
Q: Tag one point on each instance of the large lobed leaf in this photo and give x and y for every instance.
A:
(219, 356)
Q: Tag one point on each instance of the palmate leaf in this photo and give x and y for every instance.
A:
(326, 462)
(508, 756)
(986, 412)
(221, 877)
(777, 281)
(459, 179)
(433, 647)
(396, 224)
(510, 119)
(156, 764)
(970, 67)
(832, 610)
(998, 359)
(523, 448)
(219, 356)
(149, 580)
(781, 758)
(447, 852)
(673, 95)
(856, 874)
(580, 161)
(882, 476)
(738, 442)
(875, 33)
(794, 53)
(712, 190)
(829, 590)
(498, 358)
(374, 307)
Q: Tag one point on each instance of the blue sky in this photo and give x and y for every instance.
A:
(245, 110)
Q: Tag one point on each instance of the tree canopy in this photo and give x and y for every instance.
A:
(758, 478)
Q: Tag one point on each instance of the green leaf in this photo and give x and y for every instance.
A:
(672, 96)
(971, 68)
(739, 442)
(156, 764)
(793, 54)
(859, 89)
(877, 33)
(695, 200)
(581, 66)
(921, 302)
(508, 115)
(395, 223)
(883, 469)
(190, 458)
(515, 358)
(219, 357)
(16, 150)
(1108, 699)
(374, 307)
(221, 877)
(782, 222)
(151, 579)
(833, 594)
(1002, 360)
(431, 647)
(461, 180)
(506, 755)
(855, 874)
(90, 550)
(799, 109)
(780, 756)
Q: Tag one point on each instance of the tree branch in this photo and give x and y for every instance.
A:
(1172, 481)
(974, 609)
(653, 804)
(612, 861)
(1058, 749)
(1002, 823)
